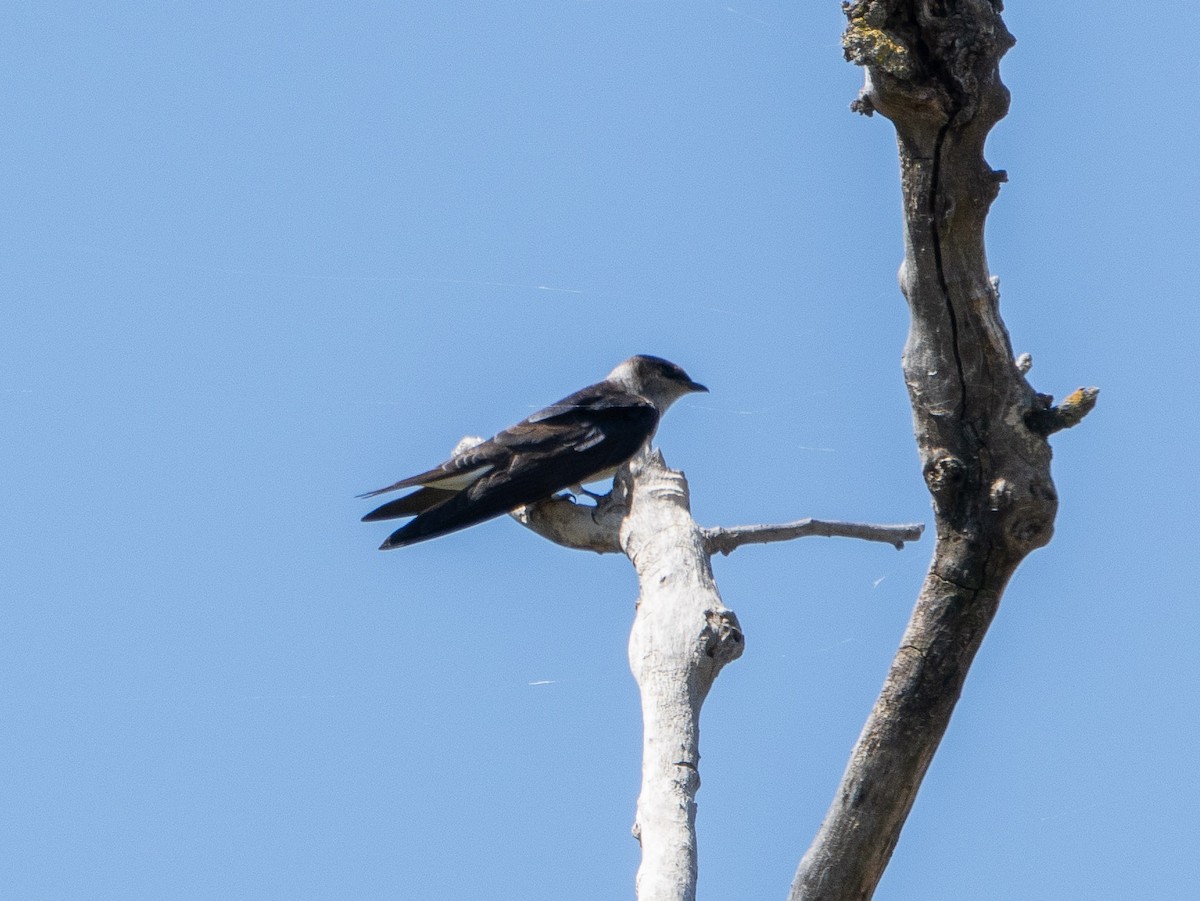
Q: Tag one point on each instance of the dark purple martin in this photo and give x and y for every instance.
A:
(582, 438)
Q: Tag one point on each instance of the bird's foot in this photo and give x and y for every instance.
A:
(579, 489)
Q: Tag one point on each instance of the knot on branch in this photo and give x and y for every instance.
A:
(1014, 505)
(1026, 513)
(723, 636)
(945, 475)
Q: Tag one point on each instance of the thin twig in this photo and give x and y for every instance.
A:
(726, 539)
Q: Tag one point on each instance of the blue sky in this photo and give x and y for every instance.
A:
(258, 258)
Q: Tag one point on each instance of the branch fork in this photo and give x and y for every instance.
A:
(682, 636)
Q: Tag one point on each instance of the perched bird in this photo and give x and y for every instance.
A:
(584, 437)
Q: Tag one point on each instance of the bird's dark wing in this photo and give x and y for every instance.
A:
(455, 473)
(590, 401)
(591, 431)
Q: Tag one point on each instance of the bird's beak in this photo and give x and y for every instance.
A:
(696, 386)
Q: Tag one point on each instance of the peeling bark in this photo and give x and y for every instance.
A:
(932, 68)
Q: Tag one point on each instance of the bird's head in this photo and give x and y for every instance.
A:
(659, 381)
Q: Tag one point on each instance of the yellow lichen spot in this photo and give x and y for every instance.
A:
(866, 45)
(1077, 405)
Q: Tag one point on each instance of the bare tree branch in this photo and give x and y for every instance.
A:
(682, 636)
(1046, 419)
(726, 539)
(578, 526)
(932, 68)
(586, 528)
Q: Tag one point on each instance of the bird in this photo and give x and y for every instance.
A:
(584, 437)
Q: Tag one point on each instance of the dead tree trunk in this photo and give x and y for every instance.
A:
(932, 68)
(682, 636)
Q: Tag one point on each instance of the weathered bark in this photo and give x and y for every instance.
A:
(932, 68)
(682, 636)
